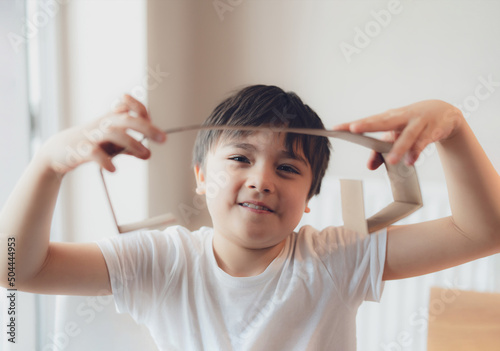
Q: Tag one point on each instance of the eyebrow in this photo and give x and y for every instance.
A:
(283, 153)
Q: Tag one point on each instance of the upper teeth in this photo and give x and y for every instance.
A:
(246, 204)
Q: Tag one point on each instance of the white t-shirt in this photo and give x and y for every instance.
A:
(306, 299)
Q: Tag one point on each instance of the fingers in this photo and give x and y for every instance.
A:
(342, 127)
(143, 126)
(406, 141)
(103, 138)
(117, 143)
(130, 108)
(405, 131)
(124, 142)
(111, 149)
(394, 119)
(414, 127)
(102, 158)
(430, 135)
(129, 115)
(414, 153)
(375, 161)
(129, 103)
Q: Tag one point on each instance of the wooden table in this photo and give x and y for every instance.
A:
(463, 321)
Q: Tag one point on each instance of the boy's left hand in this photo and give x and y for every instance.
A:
(411, 128)
(473, 186)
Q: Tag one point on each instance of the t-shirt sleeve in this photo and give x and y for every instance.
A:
(355, 262)
(142, 267)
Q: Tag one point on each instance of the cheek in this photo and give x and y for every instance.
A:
(213, 191)
(298, 197)
(220, 189)
(297, 190)
(217, 179)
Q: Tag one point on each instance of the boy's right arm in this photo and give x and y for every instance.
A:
(48, 267)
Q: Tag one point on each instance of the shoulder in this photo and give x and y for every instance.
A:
(331, 234)
(178, 236)
(332, 239)
(171, 238)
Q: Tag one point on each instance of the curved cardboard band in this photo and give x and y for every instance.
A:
(404, 184)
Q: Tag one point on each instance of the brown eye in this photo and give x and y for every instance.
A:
(288, 169)
(239, 158)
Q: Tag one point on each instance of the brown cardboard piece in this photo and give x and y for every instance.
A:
(403, 179)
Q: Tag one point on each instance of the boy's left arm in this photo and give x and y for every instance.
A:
(473, 229)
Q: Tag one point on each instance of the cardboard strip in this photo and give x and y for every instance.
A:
(353, 206)
(404, 184)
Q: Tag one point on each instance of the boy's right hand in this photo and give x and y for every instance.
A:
(102, 139)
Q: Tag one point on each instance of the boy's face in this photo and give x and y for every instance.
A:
(256, 191)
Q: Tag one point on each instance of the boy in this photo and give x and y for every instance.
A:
(250, 283)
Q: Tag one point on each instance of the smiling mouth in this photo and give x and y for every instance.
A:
(255, 207)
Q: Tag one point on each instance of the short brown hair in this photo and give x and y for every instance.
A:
(263, 105)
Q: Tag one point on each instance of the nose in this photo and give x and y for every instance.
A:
(261, 179)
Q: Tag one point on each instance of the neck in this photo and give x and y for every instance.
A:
(239, 261)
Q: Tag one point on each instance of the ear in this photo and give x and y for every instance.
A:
(200, 180)
(307, 209)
